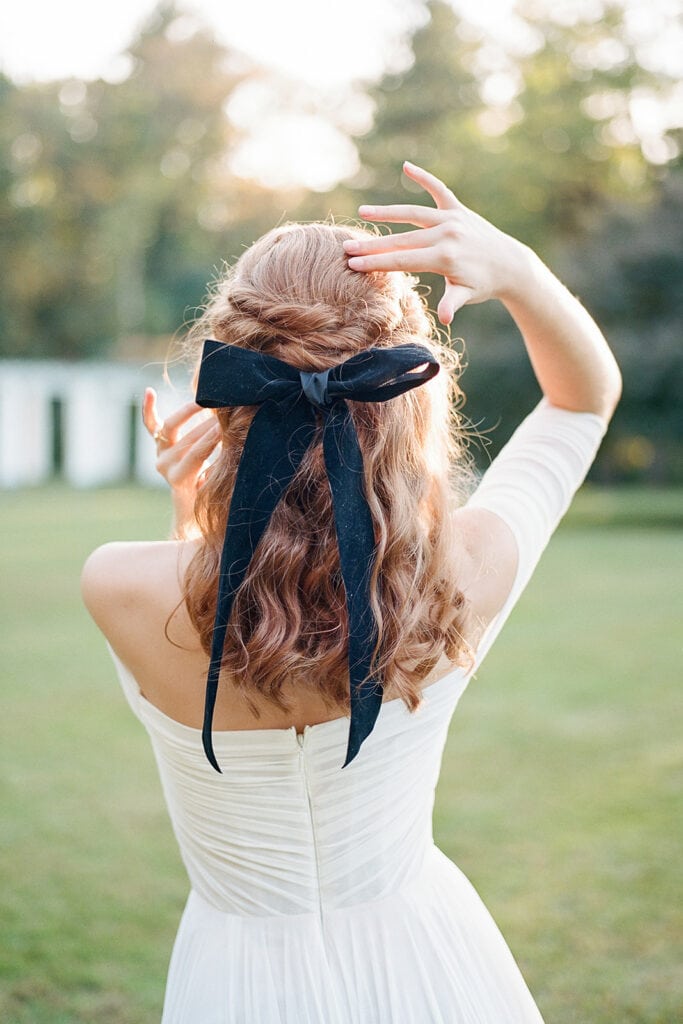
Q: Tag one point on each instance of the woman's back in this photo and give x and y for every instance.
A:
(135, 589)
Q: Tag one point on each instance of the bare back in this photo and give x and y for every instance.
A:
(131, 590)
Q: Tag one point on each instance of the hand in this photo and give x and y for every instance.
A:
(478, 261)
(180, 460)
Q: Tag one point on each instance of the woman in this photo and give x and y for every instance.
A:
(317, 892)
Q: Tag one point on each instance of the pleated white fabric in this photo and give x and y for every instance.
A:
(317, 894)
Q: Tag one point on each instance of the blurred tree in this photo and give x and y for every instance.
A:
(163, 146)
(535, 140)
(628, 268)
(426, 113)
(574, 148)
(112, 191)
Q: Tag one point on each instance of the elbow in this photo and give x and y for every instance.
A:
(600, 397)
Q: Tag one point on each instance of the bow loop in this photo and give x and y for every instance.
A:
(279, 436)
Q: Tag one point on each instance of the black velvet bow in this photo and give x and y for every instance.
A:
(282, 430)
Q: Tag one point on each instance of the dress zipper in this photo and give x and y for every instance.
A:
(302, 761)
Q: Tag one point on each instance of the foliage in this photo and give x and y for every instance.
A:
(117, 199)
(113, 192)
(537, 141)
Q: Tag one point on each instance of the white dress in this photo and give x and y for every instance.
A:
(317, 894)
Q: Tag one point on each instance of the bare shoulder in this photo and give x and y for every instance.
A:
(134, 592)
(491, 559)
(120, 577)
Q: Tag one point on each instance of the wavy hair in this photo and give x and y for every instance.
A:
(292, 295)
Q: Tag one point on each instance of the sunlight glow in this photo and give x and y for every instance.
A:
(329, 49)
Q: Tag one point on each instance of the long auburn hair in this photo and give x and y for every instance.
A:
(292, 295)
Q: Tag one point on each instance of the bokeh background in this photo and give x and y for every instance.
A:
(143, 146)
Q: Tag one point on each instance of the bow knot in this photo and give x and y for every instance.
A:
(280, 434)
(315, 387)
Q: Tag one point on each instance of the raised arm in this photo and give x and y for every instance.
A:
(573, 363)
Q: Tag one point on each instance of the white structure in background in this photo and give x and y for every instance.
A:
(80, 422)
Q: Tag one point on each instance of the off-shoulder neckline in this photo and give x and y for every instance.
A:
(151, 709)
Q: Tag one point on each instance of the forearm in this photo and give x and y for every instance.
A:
(573, 363)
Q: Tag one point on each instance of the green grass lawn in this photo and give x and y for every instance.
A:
(560, 795)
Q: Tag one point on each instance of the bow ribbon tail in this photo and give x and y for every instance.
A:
(278, 438)
(356, 541)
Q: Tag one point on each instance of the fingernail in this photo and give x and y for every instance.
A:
(351, 245)
(366, 211)
(356, 263)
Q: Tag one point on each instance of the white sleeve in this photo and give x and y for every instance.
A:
(530, 485)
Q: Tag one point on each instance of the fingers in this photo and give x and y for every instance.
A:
(150, 416)
(421, 216)
(169, 427)
(181, 462)
(176, 420)
(440, 193)
(410, 251)
(454, 297)
(189, 466)
(197, 433)
(411, 261)
(371, 244)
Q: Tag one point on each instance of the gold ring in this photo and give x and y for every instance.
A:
(159, 437)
